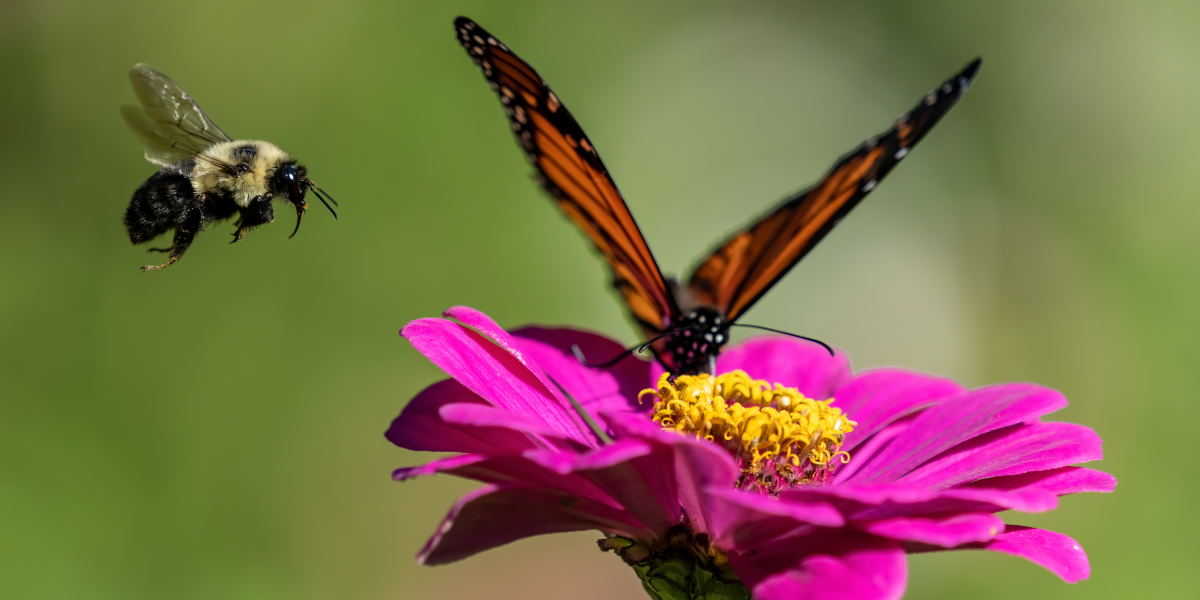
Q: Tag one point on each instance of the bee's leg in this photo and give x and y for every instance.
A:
(168, 249)
(259, 211)
(184, 234)
(240, 233)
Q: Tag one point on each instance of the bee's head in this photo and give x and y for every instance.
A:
(292, 181)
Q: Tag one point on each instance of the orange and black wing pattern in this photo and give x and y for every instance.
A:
(571, 171)
(746, 265)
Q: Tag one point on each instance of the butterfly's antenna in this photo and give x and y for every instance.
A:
(322, 195)
(813, 340)
(616, 359)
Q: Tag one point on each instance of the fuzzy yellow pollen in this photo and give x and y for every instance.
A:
(752, 419)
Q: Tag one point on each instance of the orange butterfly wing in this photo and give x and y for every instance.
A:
(748, 264)
(571, 171)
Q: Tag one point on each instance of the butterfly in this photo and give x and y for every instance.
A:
(687, 324)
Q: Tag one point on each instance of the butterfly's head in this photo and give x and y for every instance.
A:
(700, 336)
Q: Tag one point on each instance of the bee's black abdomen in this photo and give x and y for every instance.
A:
(163, 202)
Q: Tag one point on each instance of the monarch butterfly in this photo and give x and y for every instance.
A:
(687, 325)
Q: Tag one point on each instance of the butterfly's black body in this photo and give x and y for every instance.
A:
(699, 336)
(688, 322)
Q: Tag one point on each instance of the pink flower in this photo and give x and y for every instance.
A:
(930, 462)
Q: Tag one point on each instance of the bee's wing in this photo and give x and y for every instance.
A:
(173, 125)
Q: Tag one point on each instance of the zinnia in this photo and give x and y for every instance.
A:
(785, 476)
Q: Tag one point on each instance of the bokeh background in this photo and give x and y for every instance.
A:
(215, 430)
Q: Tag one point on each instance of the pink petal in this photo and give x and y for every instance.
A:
(438, 466)
(947, 532)
(493, 516)
(954, 421)
(635, 476)
(483, 324)
(866, 452)
(863, 493)
(597, 390)
(795, 363)
(1060, 481)
(698, 464)
(1055, 552)
(876, 399)
(638, 475)
(1030, 500)
(840, 565)
(638, 425)
(1010, 451)
(420, 425)
(861, 502)
(511, 470)
(741, 521)
(482, 415)
(1030, 492)
(496, 375)
(625, 379)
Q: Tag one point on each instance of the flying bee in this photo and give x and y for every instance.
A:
(205, 175)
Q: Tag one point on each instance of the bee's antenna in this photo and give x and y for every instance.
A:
(310, 182)
(328, 196)
(813, 340)
(322, 195)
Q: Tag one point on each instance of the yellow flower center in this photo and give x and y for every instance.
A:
(778, 436)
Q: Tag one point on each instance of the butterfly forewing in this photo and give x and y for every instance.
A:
(571, 171)
(746, 265)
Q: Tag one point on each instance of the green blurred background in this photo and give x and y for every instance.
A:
(215, 430)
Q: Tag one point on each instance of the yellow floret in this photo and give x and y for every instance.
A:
(751, 418)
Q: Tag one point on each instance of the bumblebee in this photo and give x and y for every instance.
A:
(205, 175)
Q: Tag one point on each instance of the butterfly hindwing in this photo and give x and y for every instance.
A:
(571, 171)
(749, 263)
